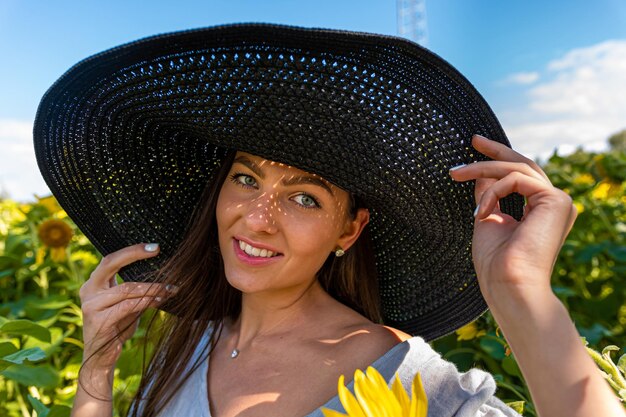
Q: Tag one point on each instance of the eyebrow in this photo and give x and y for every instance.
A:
(303, 179)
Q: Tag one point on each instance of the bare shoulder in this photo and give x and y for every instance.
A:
(382, 338)
(355, 341)
(365, 342)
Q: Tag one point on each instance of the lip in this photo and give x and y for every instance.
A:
(253, 260)
(257, 245)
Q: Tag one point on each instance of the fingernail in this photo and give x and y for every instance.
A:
(457, 167)
(171, 288)
(476, 210)
(476, 135)
(151, 247)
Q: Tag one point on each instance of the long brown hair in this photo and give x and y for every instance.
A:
(205, 298)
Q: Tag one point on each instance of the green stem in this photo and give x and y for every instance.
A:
(43, 282)
(512, 388)
(458, 351)
(22, 403)
(75, 274)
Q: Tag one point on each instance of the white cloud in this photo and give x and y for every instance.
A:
(580, 103)
(19, 175)
(521, 78)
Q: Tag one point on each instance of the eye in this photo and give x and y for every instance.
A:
(306, 201)
(243, 180)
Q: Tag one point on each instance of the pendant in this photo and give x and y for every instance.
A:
(234, 353)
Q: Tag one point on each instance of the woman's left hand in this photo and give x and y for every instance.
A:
(515, 259)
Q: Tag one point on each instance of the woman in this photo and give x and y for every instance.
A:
(339, 222)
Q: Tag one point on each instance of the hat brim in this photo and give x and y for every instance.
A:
(127, 140)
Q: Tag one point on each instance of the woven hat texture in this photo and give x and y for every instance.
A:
(127, 140)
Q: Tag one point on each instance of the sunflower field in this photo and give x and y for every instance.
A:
(44, 259)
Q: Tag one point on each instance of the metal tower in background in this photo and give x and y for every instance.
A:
(412, 20)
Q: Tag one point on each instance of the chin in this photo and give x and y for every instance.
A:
(246, 283)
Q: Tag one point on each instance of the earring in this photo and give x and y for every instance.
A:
(339, 252)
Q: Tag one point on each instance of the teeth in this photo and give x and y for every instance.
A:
(252, 251)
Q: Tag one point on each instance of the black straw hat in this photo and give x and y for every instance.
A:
(127, 140)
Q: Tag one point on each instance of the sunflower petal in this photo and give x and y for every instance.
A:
(349, 402)
(366, 395)
(332, 413)
(419, 401)
(401, 395)
(385, 397)
(58, 254)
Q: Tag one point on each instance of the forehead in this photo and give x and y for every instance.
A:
(268, 163)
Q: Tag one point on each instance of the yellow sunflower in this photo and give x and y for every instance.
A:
(55, 234)
(375, 399)
(606, 189)
(51, 204)
(469, 331)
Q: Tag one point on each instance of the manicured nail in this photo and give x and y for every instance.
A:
(151, 247)
(171, 288)
(480, 136)
(457, 167)
(476, 210)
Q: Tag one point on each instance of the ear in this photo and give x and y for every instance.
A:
(354, 228)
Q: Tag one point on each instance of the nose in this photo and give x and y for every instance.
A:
(262, 214)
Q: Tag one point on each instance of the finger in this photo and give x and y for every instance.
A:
(128, 290)
(500, 152)
(127, 308)
(117, 323)
(122, 312)
(573, 214)
(111, 264)
(129, 328)
(493, 169)
(482, 185)
(537, 192)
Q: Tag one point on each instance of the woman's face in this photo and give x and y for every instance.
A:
(278, 224)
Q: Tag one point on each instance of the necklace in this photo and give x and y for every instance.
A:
(234, 353)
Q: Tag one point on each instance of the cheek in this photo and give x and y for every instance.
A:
(313, 234)
(226, 205)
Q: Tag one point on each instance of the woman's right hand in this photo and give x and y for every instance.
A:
(110, 317)
(111, 312)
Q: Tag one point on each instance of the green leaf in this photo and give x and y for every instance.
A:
(53, 303)
(7, 348)
(618, 252)
(606, 352)
(564, 291)
(588, 253)
(510, 366)
(130, 362)
(594, 333)
(16, 245)
(7, 272)
(31, 355)
(493, 347)
(518, 406)
(43, 376)
(7, 262)
(26, 328)
(59, 411)
(38, 406)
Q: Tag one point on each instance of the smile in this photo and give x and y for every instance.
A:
(255, 252)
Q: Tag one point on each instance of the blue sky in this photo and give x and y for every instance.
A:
(550, 69)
